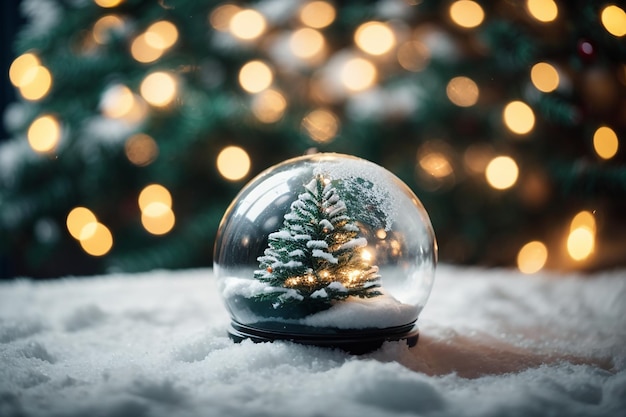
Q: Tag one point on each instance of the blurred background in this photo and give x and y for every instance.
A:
(130, 125)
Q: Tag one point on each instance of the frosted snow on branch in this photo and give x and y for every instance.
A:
(354, 243)
(318, 253)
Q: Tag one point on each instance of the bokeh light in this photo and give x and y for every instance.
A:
(154, 193)
(233, 163)
(269, 106)
(532, 257)
(605, 142)
(519, 117)
(375, 38)
(221, 16)
(317, 14)
(306, 43)
(35, 83)
(108, 3)
(77, 219)
(141, 149)
(614, 20)
(21, 66)
(502, 172)
(358, 74)
(44, 134)
(143, 52)
(247, 24)
(104, 26)
(583, 219)
(413, 56)
(158, 218)
(435, 164)
(580, 243)
(542, 10)
(255, 76)
(96, 239)
(159, 88)
(462, 91)
(544, 77)
(161, 35)
(467, 13)
(321, 125)
(117, 101)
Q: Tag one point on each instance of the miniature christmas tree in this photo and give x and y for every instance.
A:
(317, 257)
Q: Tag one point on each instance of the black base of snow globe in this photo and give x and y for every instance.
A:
(356, 342)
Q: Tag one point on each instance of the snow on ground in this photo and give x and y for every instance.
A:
(493, 343)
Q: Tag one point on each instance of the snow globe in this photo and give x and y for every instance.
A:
(327, 250)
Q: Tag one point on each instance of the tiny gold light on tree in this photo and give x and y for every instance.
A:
(544, 77)
(317, 14)
(605, 142)
(519, 117)
(358, 74)
(413, 56)
(542, 10)
(466, 13)
(44, 134)
(144, 52)
(220, 17)
(154, 193)
(306, 43)
(77, 219)
(375, 38)
(614, 20)
(233, 163)
(255, 76)
(462, 91)
(108, 3)
(247, 24)
(502, 172)
(104, 26)
(532, 257)
(269, 106)
(321, 125)
(141, 149)
(159, 88)
(96, 239)
(161, 35)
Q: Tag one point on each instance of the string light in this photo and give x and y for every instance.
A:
(583, 219)
(96, 239)
(413, 56)
(374, 38)
(519, 117)
(77, 219)
(269, 106)
(532, 257)
(247, 24)
(33, 80)
(255, 76)
(141, 149)
(20, 67)
(321, 125)
(306, 43)
(502, 172)
(605, 142)
(358, 74)
(154, 193)
(542, 10)
(467, 13)
(233, 163)
(104, 26)
(142, 51)
(161, 35)
(580, 243)
(158, 88)
(44, 134)
(108, 3)
(317, 14)
(158, 218)
(544, 77)
(220, 17)
(462, 91)
(614, 20)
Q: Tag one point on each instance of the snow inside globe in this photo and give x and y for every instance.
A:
(327, 250)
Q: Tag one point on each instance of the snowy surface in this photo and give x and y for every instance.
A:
(492, 343)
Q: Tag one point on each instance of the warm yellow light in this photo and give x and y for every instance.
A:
(306, 43)
(502, 172)
(358, 74)
(532, 257)
(108, 3)
(467, 13)
(519, 117)
(413, 56)
(141, 149)
(103, 27)
(44, 134)
(247, 24)
(98, 241)
(542, 10)
(381, 234)
(366, 255)
(255, 76)
(158, 218)
(317, 14)
(77, 219)
(269, 106)
(233, 163)
(583, 219)
(142, 51)
(375, 38)
(544, 77)
(154, 193)
(436, 164)
(35, 83)
(605, 142)
(462, 91)
(614, 20)
(117, 101)
(477, 157)
(321, 125)
(158, 88)
(21, 66)
(221, 16)
(580, 243)
(161, 35)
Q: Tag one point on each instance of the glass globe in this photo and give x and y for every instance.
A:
(325, 249)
